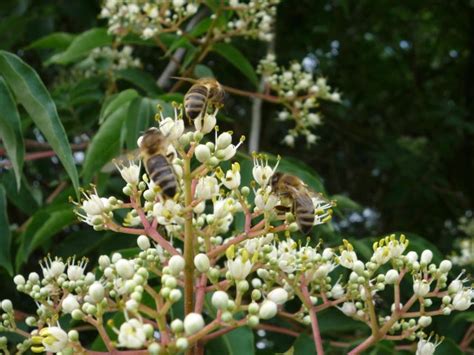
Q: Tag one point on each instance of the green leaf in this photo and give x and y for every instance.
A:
(203, 71)
(31, 93)
(10, 131)
(43, 225)
(346, 203)
(304, 345)
(237, 59)
(465, 316)
(24, 199)
(106, 143)
(237, 342)
(5, 235)
(57, 40)
(140, 79)
(116, 102)
(448, 346)
(139, 115)
(201, 28)
(82, 45)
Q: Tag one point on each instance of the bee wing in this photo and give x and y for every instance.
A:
(121, 159)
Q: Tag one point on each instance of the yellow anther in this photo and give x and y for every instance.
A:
(37, 349)
(230, 252)
(375, 246)
(37, 340)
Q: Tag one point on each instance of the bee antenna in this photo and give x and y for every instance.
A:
(190, 80)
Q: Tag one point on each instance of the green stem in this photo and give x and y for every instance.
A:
(188, 239)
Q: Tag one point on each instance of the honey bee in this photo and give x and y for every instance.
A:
(155, 152)
(205, 93)
(292, 190)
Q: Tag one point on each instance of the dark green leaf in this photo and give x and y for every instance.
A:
(43, 225)
(140, 79)
(10, 130)
(466, 316)
(237, 342)
(82, 45)
(201, 28)
(106, 143)
(304, 345)
(31, 93)
(24, 199)
(5, 235)
(117, 101)
(57, 40)
(140, 113)
(448, 346)
(237, 59)
(203, 71)
(345, 203)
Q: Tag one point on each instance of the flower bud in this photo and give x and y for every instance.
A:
(421, 288)
(7, 306)
(193, 323)
(220, 299)
(176, 264)
(175, 295)
(201, 261)
(426, 257)
(223, 140)
(19, 280)
(77, 314)
(445, 266)
(278, 295)
(125, 268)
(177, 326)
(202, 153)
(143, 242)
(391, 277)
(154, 348)
(349, 308)
(268, 309)
(182, 344)
(424, 321)
(104, 261)
(96, 292)
(253, 321)
(412, 256)
(455, 286)
(462, 300)
(358, 267)
(70, 304)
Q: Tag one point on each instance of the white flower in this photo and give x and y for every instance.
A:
(381, 255)
(265, 200)
(462, 300)
(205, 124)
(412, 256)
(261, 171)
(143, 242)
(425, 347)
(421, 288)
(349, 308)
(76, 272)
(193, 323)
(337, 291)
(168, 213)
(52, 268)
(278, 295)
(238, 268)
(172, 128)
(130, 173)
(94, 205)
(222, 207)
(223, 141)
(231, 180)
(132, 334)
(268, 309)
(207, 188)
(347, 259)
(54, 339)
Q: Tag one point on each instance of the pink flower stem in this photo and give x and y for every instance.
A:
(200, 294)
(314, 319)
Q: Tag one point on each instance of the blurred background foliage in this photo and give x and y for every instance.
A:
(400, 145)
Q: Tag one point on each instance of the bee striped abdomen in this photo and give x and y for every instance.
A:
(195, 100)
(304, 213)
(162, 174)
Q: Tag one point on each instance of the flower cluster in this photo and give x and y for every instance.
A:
(105, 61)
(149, 19)
(465, 256)
(299, 92)
(252, 19)
(227, 239)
